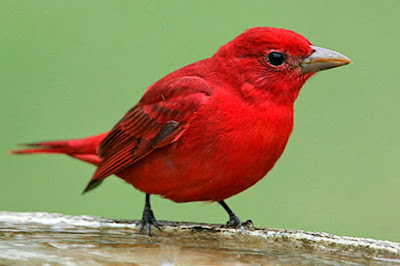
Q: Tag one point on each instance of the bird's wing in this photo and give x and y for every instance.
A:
(164, 111)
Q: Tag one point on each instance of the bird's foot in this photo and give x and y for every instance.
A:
(234, 222)
(148, 220)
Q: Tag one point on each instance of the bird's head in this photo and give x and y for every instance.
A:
(271, 63)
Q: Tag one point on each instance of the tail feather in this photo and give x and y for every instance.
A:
(45, 147)
(82, 149)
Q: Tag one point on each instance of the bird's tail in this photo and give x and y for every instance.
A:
(82, 149)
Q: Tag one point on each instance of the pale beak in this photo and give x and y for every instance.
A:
(322, 59)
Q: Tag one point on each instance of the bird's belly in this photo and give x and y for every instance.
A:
(203, 168)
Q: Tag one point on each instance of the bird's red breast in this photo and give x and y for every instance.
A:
(217, 157)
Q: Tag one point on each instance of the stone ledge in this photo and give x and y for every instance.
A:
(55, 238)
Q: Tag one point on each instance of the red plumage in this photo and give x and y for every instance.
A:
(208, 130)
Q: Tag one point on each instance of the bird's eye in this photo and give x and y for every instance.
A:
(276, 58)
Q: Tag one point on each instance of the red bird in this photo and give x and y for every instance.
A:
(211, 129)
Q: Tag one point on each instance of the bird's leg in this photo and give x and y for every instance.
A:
(234, 221)
(148, 218)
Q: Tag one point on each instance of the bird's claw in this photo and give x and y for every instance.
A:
(148, 220)
(234, 222)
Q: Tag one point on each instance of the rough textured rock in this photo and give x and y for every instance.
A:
(38, 238)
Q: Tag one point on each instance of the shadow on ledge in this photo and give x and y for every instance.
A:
(39, 238)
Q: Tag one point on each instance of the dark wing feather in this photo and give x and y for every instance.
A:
(164, 111)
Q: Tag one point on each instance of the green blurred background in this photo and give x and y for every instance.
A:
(71, 69)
